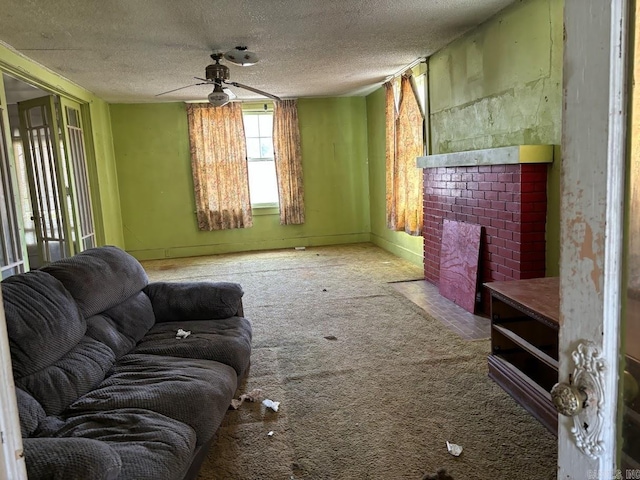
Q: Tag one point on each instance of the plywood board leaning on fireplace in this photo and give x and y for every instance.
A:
(460, 253)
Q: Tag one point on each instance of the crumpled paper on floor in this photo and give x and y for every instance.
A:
(454, 449)
(271, 404)
(254, 395)
(183, 333)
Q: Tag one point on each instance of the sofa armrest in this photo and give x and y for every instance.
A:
(70, 459)
(173, 301)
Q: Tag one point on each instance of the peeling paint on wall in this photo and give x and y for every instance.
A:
(501, 85)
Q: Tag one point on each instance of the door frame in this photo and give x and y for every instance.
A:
(592, 214)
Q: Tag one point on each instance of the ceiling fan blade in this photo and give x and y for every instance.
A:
(180, 88)
(251, 89)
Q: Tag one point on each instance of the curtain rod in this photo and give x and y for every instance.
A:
(417, 61)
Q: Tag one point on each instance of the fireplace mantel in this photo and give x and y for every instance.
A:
(515, 155)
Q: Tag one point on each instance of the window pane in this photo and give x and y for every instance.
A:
(253, 147)
(266, 125)
(266, 148)
(251, 126)
(263, 187)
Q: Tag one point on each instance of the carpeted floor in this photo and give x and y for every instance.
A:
(380, 400)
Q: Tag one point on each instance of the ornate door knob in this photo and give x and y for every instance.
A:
(569, 400)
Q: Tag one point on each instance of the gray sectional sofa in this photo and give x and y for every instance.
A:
(105, 390)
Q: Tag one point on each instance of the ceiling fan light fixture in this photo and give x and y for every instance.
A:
(218, 97)
(241, 56)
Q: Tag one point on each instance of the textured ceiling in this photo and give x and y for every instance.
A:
(131, 50)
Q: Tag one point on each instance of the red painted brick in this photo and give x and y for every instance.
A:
(492, 195)
(533, 177)
(513, 245)
(498, 205)
(491, 231)
(512, 187)
(534, 197)
(504, 215)
(512, 207)
(507, 272)
(512, 264)
(491, 214)
(533, 167)
(499, 242)
(527, 207)
(497, 223)
(533, 256)
(506, 234)
(467, 210)
(533, 187)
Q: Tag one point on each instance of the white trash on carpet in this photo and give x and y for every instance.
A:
(454, 449)
(271, 404)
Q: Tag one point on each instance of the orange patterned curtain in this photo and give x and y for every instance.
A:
(219, 166)
(286, 145)
(404, 179)
(391, 115)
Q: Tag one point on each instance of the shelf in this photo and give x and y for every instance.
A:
(491, 156)
(532, 349)
(535, 399)
(524, 343)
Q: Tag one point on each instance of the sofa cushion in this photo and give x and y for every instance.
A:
(30, 411)
(79, 371)
(226, 341)
(43, 321)
(195, 392)
(70, 459)
(174, 301)
(122, 326)
(99, 278)
(151, 446)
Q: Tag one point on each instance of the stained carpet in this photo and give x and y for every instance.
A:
(378, 401)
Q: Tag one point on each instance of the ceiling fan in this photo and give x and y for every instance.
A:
(217, 74)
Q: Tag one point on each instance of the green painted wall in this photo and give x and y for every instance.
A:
(399, 243)
(103, 179)
(501, 85)
(156, 187)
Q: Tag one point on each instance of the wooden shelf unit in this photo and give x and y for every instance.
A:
(524, 343)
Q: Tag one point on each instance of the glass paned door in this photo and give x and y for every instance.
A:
(55, 157)
(77, 166)
(39, 130)
(12, 255)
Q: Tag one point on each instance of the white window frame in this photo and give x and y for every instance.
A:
(262, 109)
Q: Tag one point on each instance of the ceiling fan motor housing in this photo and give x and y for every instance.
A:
(216, 71)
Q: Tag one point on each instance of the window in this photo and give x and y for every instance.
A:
(263, 184)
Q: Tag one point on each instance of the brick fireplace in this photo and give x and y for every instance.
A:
(505, 191)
